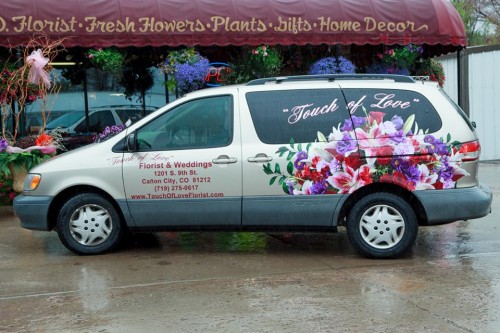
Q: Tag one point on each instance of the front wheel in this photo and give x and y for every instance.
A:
(89, 224)
(382, 225)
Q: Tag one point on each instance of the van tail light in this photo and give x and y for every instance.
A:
(470, 151)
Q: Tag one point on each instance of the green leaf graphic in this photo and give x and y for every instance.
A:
(408, 124)
(321, 137)
(289, 168)
(277, 168)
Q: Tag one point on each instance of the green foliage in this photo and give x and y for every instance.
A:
(26, 159)
(276, 173)
(474, 15)
(406, 57)
(108, 59)
(431, 68)
(263, 61)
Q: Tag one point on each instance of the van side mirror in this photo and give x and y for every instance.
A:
(131, 143)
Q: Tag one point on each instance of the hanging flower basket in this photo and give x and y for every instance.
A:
(186, 70)
(333, 65)
(108, 59)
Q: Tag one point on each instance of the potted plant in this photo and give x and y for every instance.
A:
(16, 161)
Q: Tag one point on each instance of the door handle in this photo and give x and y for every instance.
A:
(260, 158)
(224, 159)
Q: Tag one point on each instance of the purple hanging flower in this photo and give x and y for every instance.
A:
(191, 76)
(332, 65)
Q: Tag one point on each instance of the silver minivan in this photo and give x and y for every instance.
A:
(380, 155)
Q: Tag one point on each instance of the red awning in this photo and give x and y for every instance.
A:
(101, 23)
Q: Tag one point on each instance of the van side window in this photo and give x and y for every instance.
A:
(300, 114)
(197, 124)
(394, 103)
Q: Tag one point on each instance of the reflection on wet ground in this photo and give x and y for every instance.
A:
(254, 282)
(236, 242)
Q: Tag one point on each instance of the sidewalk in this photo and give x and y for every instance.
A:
(6, 210)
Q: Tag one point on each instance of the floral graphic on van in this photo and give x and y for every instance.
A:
(389, 151)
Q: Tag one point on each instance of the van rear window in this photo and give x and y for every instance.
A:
(279, 116)
(391, 103)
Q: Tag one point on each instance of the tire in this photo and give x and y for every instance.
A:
(89, 224)
(382, 226)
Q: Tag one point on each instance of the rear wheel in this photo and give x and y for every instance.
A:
(89, 224)
(382, 225)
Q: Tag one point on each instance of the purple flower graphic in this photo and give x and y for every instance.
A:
(415, 161)
(347, 145)
(411, 172)
(298, 164)
(335, 166)
(398, 137)
(398, 122)
(347, 125)
(436, 145)
(318, 188)
(358, 121)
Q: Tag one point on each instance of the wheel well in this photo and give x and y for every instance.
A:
(384, 187)
(62, 197)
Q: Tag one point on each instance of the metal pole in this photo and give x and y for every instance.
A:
(86, 100)
(167, 97)
(459, 80)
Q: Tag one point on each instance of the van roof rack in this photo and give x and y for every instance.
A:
(331, 77)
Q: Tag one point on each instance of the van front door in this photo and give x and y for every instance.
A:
(187, 167)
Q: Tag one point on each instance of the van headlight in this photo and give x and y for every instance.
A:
(32, 181)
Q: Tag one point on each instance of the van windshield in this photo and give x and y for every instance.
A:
(64, 121)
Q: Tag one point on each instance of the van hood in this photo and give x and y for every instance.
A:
(82, 157)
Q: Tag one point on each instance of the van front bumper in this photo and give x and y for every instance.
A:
(33, 211)
(445, 206)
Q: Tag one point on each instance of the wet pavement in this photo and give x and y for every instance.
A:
(254, 282)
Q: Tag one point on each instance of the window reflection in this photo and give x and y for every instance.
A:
(202, 123)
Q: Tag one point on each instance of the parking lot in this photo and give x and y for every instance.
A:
(254, 282)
